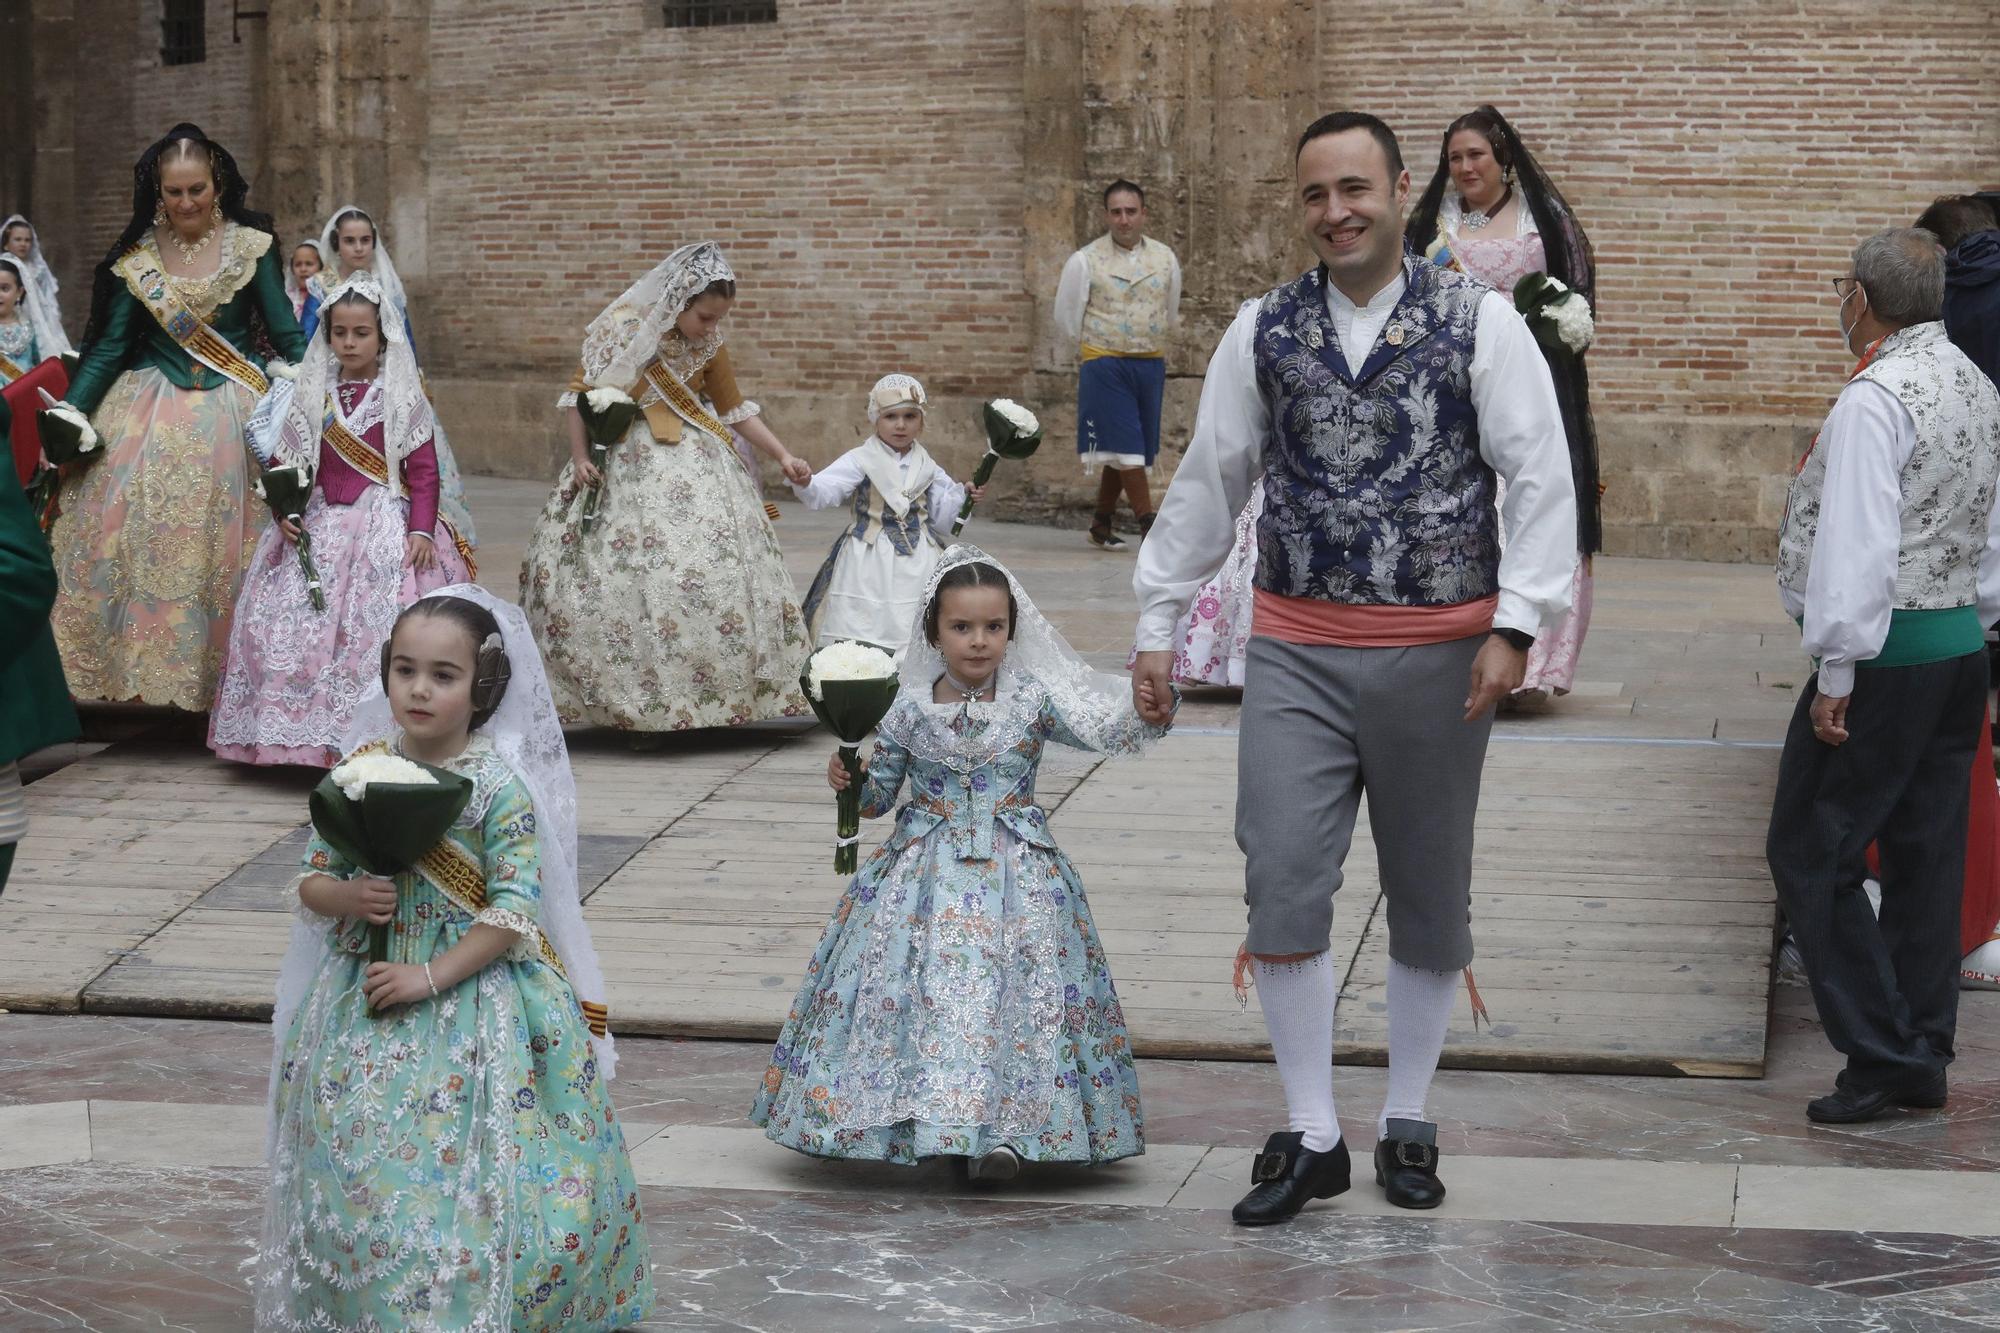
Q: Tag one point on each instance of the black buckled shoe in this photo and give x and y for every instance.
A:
(1287, 1174)
(1850, 1104)
(1406, 1165)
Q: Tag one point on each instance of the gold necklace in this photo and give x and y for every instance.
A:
(188, 252)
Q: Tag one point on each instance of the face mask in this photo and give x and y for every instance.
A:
(1846, 329)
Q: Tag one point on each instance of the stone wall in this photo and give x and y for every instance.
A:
(898, 184)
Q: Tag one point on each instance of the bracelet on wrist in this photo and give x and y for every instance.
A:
(430, 979)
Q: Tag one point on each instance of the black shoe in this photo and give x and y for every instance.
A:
(1102, 537)
(1851, 1104)
(1001, 1163)
(1146, 525)
(1287, 1174)
(1406, 1165)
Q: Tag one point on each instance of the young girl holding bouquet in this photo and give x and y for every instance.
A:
(444, 1153)
(359, 425)
(904, 503)
(960, 1003)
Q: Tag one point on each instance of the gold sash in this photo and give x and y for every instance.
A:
(9, 372)
(355, 452)
(148, 282)
(682, 400)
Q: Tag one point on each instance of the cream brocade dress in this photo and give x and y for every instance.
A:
(675, 611)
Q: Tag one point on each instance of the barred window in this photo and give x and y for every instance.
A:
(717, 13)
(183, 32)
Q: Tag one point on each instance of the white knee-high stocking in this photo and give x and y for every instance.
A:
(1298, 1000)
(1420, 1005)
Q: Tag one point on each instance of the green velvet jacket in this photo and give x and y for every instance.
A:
(35, 708)
(249, 289)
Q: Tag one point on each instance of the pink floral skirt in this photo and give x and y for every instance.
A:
(1215, 636)
(293, 675)
(1552, 661)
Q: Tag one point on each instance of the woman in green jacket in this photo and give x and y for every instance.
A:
(34, 703)
(157, 525)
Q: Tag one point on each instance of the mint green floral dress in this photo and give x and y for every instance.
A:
(455, 1164)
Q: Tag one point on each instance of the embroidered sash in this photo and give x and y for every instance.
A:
(9, 372)
(679, 397)
(148, 282)
(354, 451)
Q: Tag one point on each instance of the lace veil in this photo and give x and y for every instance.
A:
(325, 274)
(1095, 705)
(383, 267)
(406, 413)
(625, 337)
(527, 734)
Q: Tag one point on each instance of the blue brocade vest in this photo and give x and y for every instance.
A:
(1374, 489)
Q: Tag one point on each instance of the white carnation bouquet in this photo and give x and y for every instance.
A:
(850, 687)
(286, 490)
(1012, 431)
(364, 770)
(1557, 314)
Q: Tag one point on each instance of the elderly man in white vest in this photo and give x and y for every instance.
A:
(1119, 298)
(1890, 561)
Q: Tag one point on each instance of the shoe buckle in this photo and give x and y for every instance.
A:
(1422, 1156)
(1268, 1166)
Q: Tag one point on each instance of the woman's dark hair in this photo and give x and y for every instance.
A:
(977, 574)
(12, 227)
(15, 271)
(347, 215)
(231, 190)
(351, 298)
(490, 670)
(723, 287)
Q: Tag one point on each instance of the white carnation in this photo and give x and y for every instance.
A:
(847, 661)
(358, 774)
(86, 433)
(603, 400)
(1571, 316)
(1019, 417)
(257, 488)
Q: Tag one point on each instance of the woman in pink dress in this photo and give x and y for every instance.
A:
(358, 422)
(1490, 212)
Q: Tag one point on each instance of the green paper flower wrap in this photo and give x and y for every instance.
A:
(286, 490)
(1012, 431)
(385, 827)
(850, 687)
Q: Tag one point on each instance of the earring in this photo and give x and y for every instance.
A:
(215, 214)
(160, 213)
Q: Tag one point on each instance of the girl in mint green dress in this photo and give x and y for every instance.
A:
(453, 1163)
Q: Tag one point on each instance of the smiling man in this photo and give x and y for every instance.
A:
(1376, 397)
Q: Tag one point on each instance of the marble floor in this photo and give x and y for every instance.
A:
(130, 1188)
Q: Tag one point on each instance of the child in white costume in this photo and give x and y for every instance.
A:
(904, 504)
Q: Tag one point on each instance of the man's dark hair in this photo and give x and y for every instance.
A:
(1341, 121)
(1121, 184)
(1953, 217)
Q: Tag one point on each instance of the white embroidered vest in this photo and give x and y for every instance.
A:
(1128, 311)
(1948, 485)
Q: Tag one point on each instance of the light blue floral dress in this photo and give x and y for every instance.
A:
(455, 1164)
(960, 999)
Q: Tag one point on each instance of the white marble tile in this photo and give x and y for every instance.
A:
(44, 1134)
(1959, 1203)
(1514, 1189)
(176, 1134)
(712, 1157)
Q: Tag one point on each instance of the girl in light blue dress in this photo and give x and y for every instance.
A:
(960, 1003)
(444, 1153)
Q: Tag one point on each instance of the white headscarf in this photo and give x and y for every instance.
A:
(382, 266)
(894, 391)
(527, 735)
(39, 298)
(49, 339)
(407, 421)
(322, 278)
(625, 337)
(1095, 705)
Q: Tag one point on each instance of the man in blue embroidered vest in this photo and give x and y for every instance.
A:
(1119, 298)
(1890, 560)
(1376, 398)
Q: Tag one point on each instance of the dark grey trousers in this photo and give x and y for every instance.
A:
(1887, 990)
(1321, 728)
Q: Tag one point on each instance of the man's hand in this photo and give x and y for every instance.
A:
(1153, 687)
(1496, 673)
(1829, 718)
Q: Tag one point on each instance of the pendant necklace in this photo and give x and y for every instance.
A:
(1474, 219)
(969, 693)
(188, 252)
